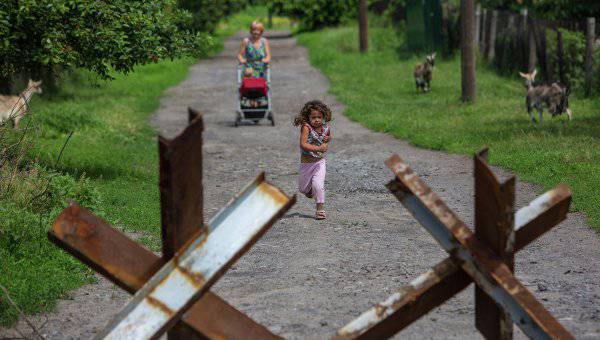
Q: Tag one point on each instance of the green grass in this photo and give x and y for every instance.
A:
(379, 92)
(109, 165)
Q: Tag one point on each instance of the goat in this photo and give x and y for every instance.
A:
(555, 97)
(423, 72)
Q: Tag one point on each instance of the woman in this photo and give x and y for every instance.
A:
(255, 51)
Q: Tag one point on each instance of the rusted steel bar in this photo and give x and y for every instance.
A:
(484, 267)
(129, 265)
(185, 217)
(428, 291)
(185, 278)
(180, 163)
(408, 304)
(193, 114)
(494, 226)
(541, 215)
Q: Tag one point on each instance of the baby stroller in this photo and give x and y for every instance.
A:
(254, 97)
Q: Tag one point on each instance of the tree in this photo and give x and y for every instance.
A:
(363, 37)
(315, 14)
(99, 36)
(590, 37)
(206, 14)
(467, 50)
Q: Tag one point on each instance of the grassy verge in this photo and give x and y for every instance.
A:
(110, 165)
(379, 91)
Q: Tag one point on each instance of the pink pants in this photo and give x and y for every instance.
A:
(312, 179)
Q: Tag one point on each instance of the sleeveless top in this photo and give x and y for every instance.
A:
(315, 138)
(254, 57)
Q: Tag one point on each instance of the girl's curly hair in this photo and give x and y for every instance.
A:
(302, 116)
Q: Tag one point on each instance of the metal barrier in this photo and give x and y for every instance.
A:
(194, 257)
(172, 292)
(484, 257)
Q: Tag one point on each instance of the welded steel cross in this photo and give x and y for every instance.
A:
(194, 256)
(484, 257)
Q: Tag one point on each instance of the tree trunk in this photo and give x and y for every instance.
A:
(590, 36)
(467, 60)
(560, 53)
(532, 60)
(270, 19)
(491, 45)
(362, 26)
(477, 24)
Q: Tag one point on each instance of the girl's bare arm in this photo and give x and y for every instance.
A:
(267, 57)
(304, 142)
(240, 55)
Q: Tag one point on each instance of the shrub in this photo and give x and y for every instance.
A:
(206, 14)
(315, 14)
(574, 56)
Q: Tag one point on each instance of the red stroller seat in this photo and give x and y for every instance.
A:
(254, 88)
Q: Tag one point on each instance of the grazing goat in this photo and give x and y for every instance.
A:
(422, 73)
(555, 97)
(16, 107)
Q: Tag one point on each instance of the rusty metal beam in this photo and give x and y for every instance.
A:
(484, 267)
(180, 163)
(181, 197)
(541, 215)
(129, 265)
(494, 226)
(185, 278)
(408, 304)
(445, 280)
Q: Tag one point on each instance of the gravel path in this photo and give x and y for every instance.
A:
(307, 278)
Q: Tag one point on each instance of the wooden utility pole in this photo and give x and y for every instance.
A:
(467, 50)
(363, 37)
(590, 36)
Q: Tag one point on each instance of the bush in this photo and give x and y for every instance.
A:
(574, 56)
(206, 14)
(315, 14)
(34, 270)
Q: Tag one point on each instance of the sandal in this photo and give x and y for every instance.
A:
(320, 215)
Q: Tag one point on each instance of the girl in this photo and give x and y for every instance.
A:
(314, 138)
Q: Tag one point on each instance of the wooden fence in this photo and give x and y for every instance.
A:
(513, 42)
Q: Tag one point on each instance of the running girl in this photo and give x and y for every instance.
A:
(314, 138)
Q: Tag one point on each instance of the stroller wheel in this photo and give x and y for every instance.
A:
(271, 118)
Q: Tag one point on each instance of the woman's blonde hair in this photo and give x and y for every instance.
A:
(317, 105)
(257, 25)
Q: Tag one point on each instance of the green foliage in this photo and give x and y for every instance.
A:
(96, 35)
(574, 56)
(35, 271)
(109, 165)
(206, 14)
(385, 100)
(549, 9)
(315, 14)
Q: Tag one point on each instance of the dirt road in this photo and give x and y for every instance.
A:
(307, 278)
